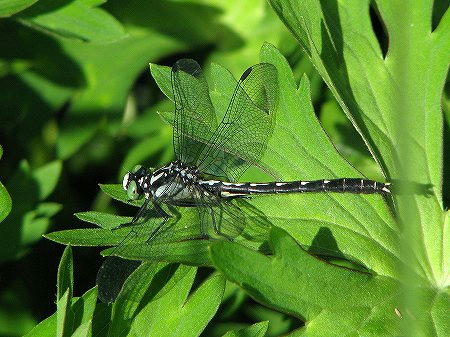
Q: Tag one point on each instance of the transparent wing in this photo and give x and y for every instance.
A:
(241, 138)
(218, 218)
(112, 275)
(195, 118)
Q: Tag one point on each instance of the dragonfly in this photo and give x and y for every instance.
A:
(212, 156)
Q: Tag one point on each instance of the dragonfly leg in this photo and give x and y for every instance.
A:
(139, 213)
(161, 213)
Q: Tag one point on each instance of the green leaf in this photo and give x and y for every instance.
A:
(64, 294)
(82, 309)
(5, 202)
(65, 274)
(10, 7)
(254, 330)
(83, 330)
(104, 220)
(298, 283)
(176, 314)
(373, 115)
(45, 328)
(77, 19)
(173, 243)
(394, 102)
(362, 225)
(62, 315)
(356, 227)
(5, 199)
(149, 282)
(162, 76)
(88, 236)
(131, 243)
(162, 290)
(190, 252)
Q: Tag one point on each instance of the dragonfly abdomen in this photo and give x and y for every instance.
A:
(342, 185)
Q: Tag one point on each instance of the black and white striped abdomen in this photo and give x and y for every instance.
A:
(343, 185)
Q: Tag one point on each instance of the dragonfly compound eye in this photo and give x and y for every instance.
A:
(126, 180)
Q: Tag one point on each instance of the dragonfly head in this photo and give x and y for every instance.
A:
(131, 182)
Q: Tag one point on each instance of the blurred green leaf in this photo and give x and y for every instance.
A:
(111, 69)
(5, 202)
(347, 141)
(5, 199)
(47, 177)
(254, 330)
(77, 19)
(107, 90)
(300, 284)
(37, 221)
(143, 150)
(255, 23)
(149, 123)
(16, 317)
(10, 7)
(30, 216)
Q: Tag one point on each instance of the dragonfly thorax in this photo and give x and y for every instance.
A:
(168, 183)
(172, 183)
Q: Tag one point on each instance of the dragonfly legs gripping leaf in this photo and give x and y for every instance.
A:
(161, 213)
